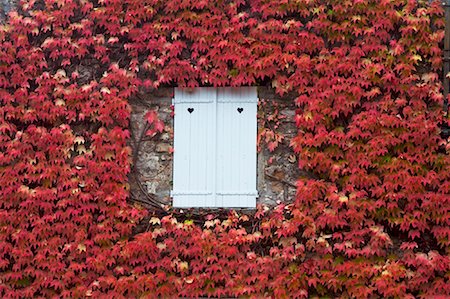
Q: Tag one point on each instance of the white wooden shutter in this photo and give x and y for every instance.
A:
(193, 182)
(215, 147)
(236, 147)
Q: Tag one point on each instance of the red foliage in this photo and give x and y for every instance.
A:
(371, 221)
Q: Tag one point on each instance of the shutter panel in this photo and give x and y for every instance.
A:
(193, 179)
(236, 147)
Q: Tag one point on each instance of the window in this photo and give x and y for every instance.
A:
(215, 147)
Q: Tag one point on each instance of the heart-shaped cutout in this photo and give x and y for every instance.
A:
(190, 110)
(240, 110)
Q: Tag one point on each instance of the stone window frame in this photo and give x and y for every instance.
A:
(151, 171)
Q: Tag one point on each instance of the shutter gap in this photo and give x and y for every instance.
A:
(196, 147)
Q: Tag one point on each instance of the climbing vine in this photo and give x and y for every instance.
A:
(371, 218)
(270, 118)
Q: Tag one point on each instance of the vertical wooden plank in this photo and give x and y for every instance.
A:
(218, 151)
(211, 149)
(181, 151)
(235, 134)
(248, 166)
(223, 161)
(240, 199)
(222, 153)
(195, 175)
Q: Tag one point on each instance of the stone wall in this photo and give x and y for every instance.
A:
(277, 169)
(5, 7)
(151, 178)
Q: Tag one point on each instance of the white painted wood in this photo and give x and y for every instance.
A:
(215, 147)
(236, 163)
(213, 202)
(193, 152)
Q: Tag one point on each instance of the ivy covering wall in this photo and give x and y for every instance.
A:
(371, 217)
